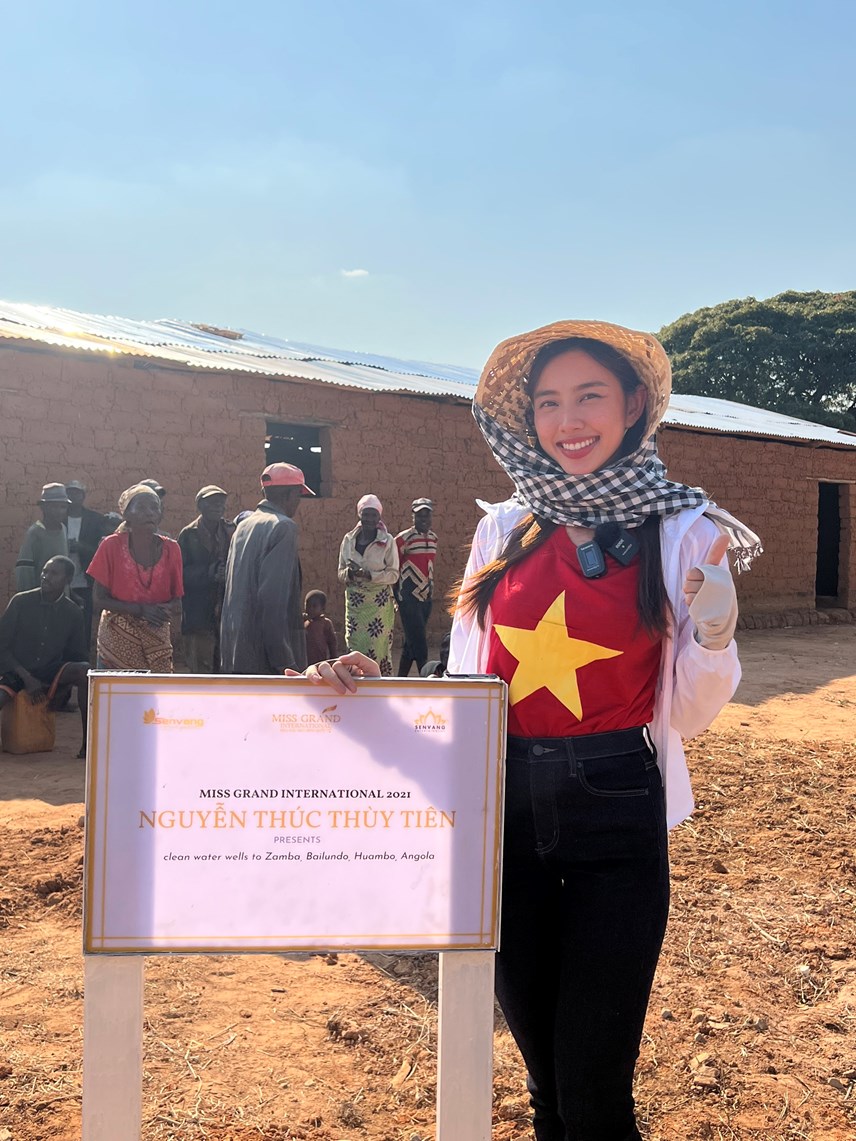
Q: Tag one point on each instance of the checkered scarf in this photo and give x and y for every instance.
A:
(628, 492)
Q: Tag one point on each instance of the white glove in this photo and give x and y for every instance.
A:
(713, 608)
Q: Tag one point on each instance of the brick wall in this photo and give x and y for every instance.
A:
(111, 421)
(772, 486)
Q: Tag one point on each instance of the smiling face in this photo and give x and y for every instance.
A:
(212, 508)
(581, 412)
(369, 518)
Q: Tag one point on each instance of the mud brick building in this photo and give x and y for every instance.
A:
(110, 401)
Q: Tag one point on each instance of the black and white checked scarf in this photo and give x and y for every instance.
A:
(627, 492)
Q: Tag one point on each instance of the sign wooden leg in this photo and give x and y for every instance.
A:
(465, 1048)
(112, 1047)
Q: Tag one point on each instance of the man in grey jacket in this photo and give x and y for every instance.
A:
(261, 629)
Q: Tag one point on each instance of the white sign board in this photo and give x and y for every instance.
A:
(267, 814)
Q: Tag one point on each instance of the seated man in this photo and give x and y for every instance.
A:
(42, 645)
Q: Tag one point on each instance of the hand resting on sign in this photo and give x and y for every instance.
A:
(341, 674)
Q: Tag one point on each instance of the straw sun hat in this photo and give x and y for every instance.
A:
(502, 391)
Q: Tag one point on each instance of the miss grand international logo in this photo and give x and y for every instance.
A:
(323, 722)
(152, 717)
(430, 722)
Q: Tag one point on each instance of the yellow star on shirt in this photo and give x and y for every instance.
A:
(548, 658)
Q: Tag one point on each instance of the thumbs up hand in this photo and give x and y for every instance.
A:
(711, 598)
(695, 578)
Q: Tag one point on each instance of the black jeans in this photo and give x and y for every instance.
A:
(585, 899)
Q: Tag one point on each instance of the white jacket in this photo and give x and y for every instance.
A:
(694, 682)
(380, 558)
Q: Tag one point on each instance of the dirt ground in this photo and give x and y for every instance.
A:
(751, 1032)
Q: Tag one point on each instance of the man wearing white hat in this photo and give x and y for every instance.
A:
(261, 630)
(44, 539)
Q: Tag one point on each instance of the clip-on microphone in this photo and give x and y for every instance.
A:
(615, 541)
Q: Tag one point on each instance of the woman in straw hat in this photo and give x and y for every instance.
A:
(600, 592)
(138, 586)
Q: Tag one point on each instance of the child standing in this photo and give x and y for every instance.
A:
(320, 633)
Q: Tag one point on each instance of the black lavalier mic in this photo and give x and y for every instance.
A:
(591, 560)
(617, 542)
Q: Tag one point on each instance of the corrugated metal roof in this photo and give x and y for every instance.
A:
(242, 350)
(181, 343)
(711, 414)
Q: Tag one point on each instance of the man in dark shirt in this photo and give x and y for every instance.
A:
(204, 548)
(42, 645)
(86, 528)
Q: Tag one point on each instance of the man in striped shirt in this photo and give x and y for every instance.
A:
(417, 549)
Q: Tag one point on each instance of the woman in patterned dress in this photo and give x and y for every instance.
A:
(368, 566)
(138, 587)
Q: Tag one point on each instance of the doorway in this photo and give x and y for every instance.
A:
(827, 587)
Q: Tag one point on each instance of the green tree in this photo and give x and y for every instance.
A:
(794, 354)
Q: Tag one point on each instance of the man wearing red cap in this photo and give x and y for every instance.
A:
(261, 630)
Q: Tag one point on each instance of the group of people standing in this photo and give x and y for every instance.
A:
(231, 590)
(74, 561)
(148, 588)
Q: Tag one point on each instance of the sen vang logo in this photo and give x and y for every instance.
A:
(430, 722)
(323, 722)
(152, 717)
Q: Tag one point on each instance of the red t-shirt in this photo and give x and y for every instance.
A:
(572, 649)
(123, 578)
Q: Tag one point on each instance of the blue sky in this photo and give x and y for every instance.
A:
(490, 166)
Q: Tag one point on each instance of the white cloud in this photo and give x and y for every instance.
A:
(354, 272)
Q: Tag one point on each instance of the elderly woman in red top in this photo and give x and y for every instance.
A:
(138, 587)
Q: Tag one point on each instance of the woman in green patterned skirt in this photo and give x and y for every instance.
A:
(368, 566)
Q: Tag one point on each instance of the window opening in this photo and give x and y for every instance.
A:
(298, 444)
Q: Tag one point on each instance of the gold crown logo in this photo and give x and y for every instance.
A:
(432, 717)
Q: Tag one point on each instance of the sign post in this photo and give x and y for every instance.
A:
(112, 1047)
(229, 814)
